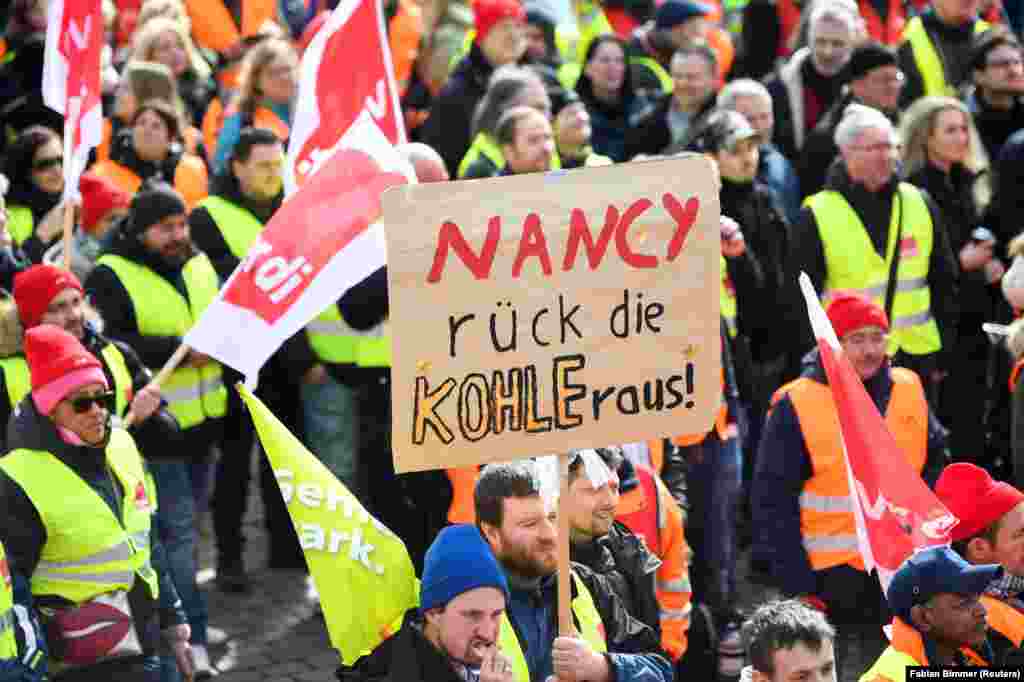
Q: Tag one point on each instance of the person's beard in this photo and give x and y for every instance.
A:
(517, 559)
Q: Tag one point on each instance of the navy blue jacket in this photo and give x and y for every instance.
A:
(784, 465)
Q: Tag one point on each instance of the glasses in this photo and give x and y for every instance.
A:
(83, 404)
(46, 164)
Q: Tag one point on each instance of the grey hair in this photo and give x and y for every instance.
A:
(507, 83)
(856, 119)
(838, 11)
(741, 87)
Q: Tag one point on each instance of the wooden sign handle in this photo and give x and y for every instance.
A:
(69, 228)
(165, 371)
(565, 626)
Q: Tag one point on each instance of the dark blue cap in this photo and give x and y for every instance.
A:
(674, 12)
(933, 571)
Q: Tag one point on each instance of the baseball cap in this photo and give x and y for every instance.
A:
(933, 571)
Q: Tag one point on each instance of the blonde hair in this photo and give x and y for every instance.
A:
(174, 9)
(916, 128)
(256, 60)
(147, 34)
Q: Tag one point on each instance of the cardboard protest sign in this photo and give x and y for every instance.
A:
(536, 313)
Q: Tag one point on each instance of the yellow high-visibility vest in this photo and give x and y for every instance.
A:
(193, 395)
(727, 300)
(853, 264)
(591, 630)
(652, 65)
(373, 347)
(237, 225)
(20, 223)
(8, 644)
(929, 63)
(88, 551)
(485, 145)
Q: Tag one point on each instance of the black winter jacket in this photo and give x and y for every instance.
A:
(622, 561)
(447, 128)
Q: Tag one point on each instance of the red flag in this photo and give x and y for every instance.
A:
(331, 97)
(71, 79)
(896, 512)
(321, 242)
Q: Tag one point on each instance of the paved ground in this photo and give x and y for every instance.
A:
(273, 633)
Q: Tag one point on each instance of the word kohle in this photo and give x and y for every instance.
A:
(537, 313)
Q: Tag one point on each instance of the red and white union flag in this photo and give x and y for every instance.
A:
(323, 240)
(346, 71)
(71, 80)
(896, 512)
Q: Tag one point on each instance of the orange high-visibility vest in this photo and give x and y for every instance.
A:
(638, 509)
(463, 505)
(214, 28)
(826, 511)
(1015, 374)
(190, 178)
(404, 32)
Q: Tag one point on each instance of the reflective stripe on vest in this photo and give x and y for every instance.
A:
(88, 551)
(331, 338)
(8, 644)
(118, 368)
(664, 79)
(238, 226)
(20, 223)
(827, 524)
(727, 299)
(485, 145)
(640, 511)
(17, 377)
(193, 395)
(591, 630)
(853, 264)
(373, 349)
(926, 57)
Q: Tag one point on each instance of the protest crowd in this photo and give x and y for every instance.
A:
(875, 145)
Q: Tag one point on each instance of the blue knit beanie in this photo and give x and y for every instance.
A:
(459, 560)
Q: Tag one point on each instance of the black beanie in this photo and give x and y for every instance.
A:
(866, 57)
(152, 204)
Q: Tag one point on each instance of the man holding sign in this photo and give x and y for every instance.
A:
(610, 644)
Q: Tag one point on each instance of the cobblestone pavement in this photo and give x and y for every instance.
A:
(276, 631)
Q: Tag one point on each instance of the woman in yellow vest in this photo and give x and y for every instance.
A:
(34, 168)
(77, 510)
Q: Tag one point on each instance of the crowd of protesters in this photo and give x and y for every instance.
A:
(876, 146)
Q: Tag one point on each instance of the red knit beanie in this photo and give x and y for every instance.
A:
(971, 495)
(59, 364)
(487, 14)
(848, 312)
(36, 287)
(99, 197)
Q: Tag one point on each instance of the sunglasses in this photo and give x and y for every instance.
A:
(47, 164)
(83, 404)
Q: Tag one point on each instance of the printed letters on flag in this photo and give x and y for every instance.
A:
(71, 80)
(331, 98)
(361, 569)
(321, 242)
(896, 512)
